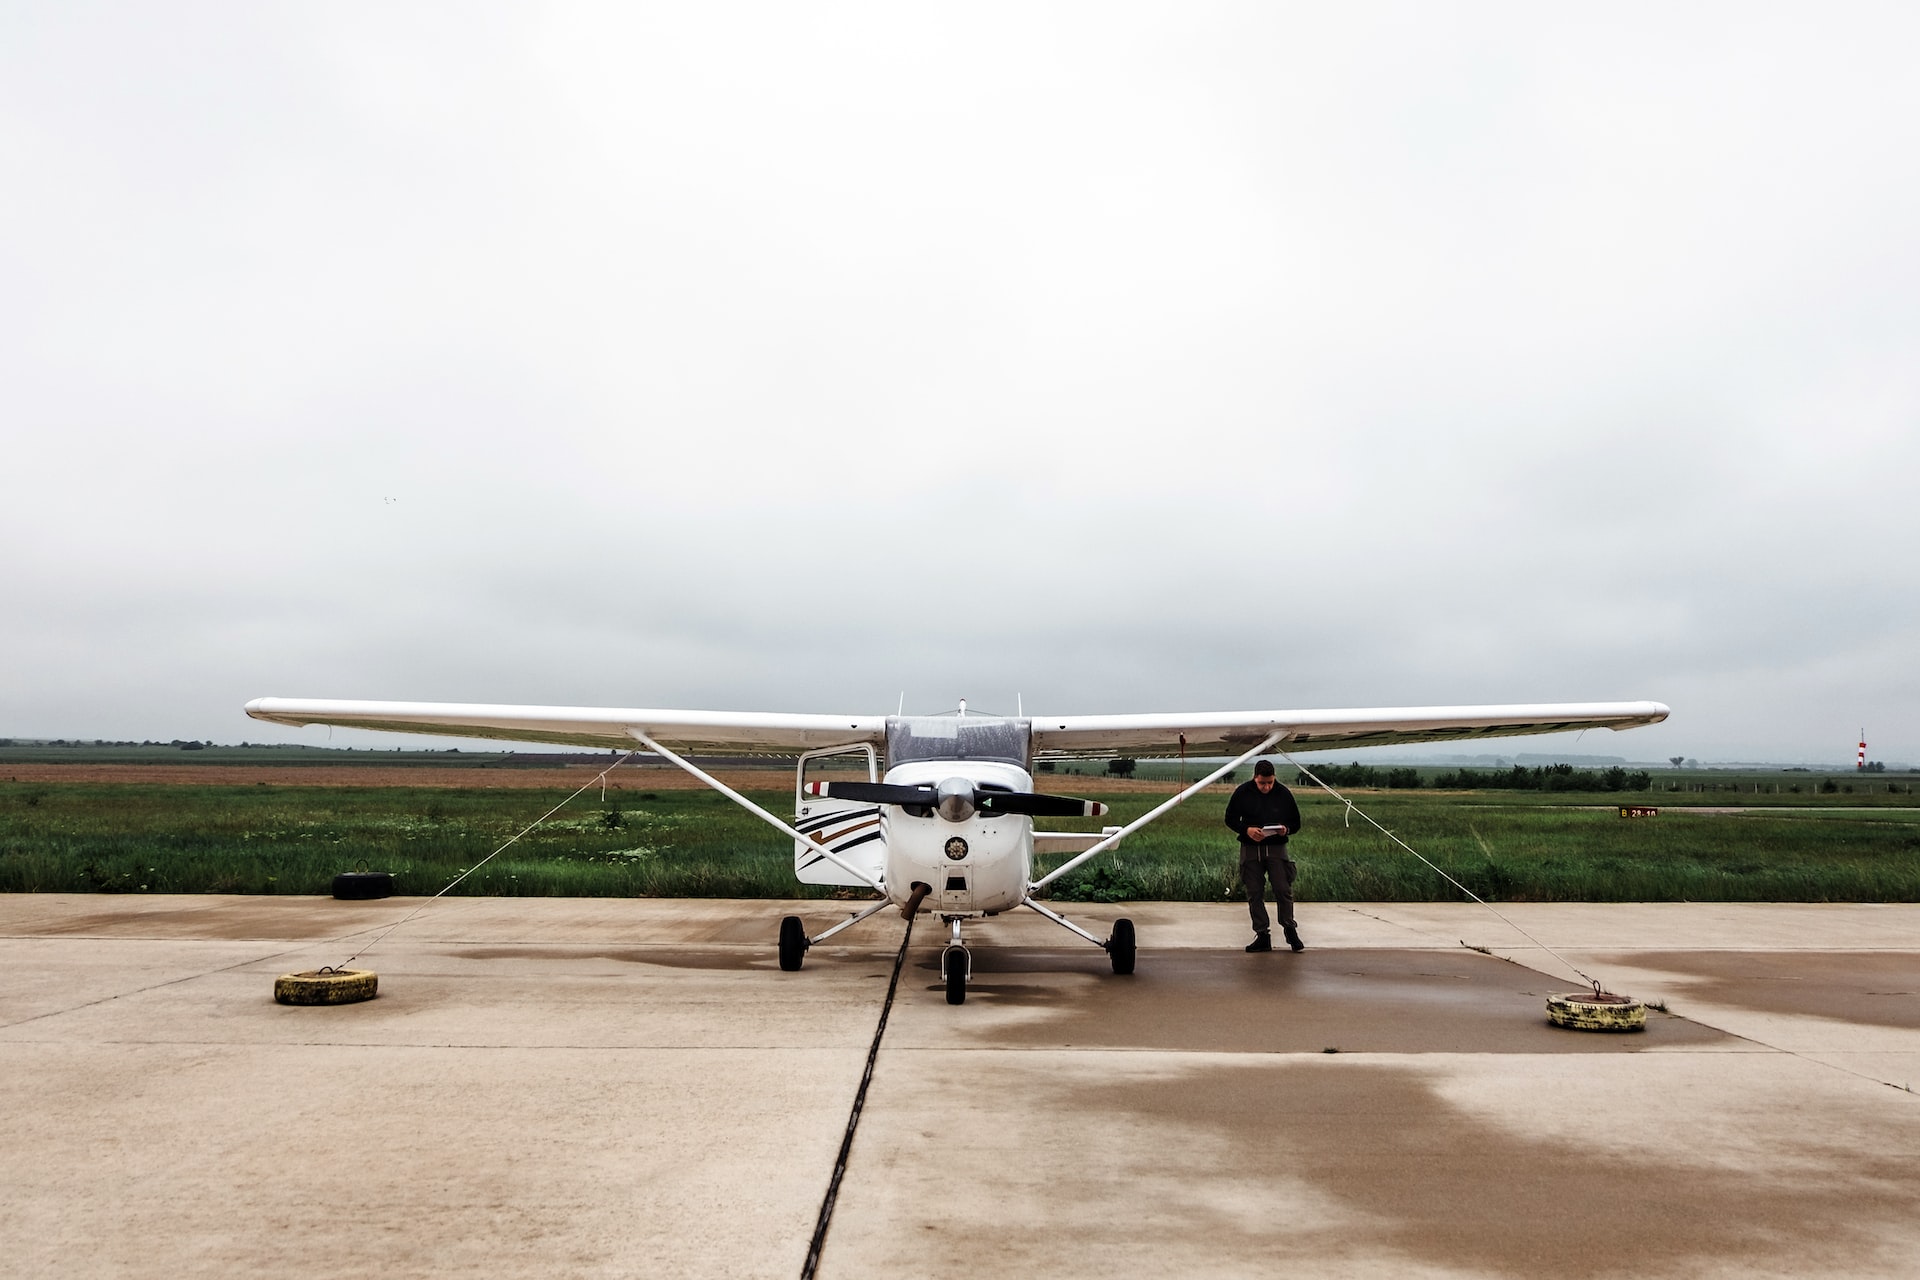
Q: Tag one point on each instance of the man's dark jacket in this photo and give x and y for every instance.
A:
(1248, 808)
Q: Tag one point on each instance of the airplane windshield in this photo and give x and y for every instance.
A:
(911, 738)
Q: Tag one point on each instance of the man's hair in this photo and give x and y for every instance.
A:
(1263, 769)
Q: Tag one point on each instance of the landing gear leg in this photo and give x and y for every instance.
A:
(1119, 946)
(955, 966)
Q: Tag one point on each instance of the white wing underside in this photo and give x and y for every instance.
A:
(1054, 737)
(1232, 732)
(709, 732)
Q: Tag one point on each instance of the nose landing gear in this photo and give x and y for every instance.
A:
(956, 966)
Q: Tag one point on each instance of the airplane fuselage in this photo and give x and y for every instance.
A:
(977, 866)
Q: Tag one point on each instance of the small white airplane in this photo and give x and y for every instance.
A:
(950, 827)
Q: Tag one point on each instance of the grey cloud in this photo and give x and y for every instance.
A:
(1157, 358)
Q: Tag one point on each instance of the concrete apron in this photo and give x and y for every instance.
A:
(587, 1087)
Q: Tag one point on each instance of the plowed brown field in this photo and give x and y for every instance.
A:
(626, 778)
(652, 777)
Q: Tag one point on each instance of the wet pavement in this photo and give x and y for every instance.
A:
(610, 1087)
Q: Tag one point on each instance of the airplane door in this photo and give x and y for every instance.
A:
(848, 827)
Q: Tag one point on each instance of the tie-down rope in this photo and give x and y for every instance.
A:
(1353, 808)
(381, 936)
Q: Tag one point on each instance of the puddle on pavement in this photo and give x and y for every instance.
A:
(734, 958)
(1434, 1182)
(265, 920)
(1229, 1002)
(1875, 988)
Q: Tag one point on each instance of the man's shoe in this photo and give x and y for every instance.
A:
(1293, 937)
(1261, 943)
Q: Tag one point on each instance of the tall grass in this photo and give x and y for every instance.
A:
(1538, 852)
(282, 839)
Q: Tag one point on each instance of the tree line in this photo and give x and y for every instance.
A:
(1551, 777)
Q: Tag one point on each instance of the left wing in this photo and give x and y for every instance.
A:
(1232, 732)
(709, 732)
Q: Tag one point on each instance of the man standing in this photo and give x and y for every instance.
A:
(1263, 814)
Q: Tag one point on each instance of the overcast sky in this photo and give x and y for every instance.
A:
(1125, 358)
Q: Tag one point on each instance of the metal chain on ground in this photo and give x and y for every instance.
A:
(381, 936)
(825, 1220)
(1353, 808)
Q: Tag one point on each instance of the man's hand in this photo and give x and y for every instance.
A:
(1256, 834)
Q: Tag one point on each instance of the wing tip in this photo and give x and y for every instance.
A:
(268, 709)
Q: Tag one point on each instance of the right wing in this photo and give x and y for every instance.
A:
(1210, 733)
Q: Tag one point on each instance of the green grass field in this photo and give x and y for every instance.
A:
(136, 837)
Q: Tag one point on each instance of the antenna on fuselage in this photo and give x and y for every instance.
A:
(903, 703)
(1019, 708)
(963, 706)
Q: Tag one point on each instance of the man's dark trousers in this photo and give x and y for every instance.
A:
(1261, 863)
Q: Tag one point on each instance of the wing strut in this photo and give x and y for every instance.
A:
(755, 809)
(1150, 815)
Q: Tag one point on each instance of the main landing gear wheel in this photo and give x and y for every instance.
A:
(1120, 946)
(793, 943)
(954, 963)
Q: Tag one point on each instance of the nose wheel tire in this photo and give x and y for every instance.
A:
(1120, 946)
(954, 963)
(793, 943)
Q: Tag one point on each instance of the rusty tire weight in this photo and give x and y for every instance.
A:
(1585, 1011)
(326, 986)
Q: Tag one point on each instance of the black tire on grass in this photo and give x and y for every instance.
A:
(360, 886)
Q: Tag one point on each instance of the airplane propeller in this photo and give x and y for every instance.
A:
(957, 799)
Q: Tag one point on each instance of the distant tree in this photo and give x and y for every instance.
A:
(1676, 761)
(1047, 766)
(1121, 766)
(1876, 766)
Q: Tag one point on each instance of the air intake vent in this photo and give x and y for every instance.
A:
(956, 884)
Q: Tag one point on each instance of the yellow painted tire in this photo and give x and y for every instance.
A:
(326, 986)
(1584, 1011)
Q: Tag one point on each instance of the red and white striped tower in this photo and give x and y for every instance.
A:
(1861, 764)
